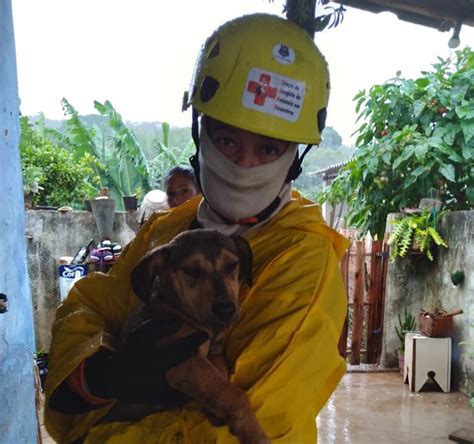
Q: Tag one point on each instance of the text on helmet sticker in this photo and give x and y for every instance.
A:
(273, 94)
(284, 54)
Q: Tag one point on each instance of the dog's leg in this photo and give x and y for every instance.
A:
(199, 379)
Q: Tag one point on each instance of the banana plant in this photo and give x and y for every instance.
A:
(167, 157)
(122, 164)
(81, 140)
(131, 162)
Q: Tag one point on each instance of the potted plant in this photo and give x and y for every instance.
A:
(437, 322)
(416, 233)
(405, 324)
(32, 176)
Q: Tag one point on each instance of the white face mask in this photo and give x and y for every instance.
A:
(234, 192)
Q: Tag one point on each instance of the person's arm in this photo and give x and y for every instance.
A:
(87, 322)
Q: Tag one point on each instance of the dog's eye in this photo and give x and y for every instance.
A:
(230, 267)
(192, 272)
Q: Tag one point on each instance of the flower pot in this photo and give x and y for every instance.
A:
(130, 203)
(435, 326)
(87, 205)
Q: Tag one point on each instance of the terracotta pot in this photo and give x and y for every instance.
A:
(437, 325)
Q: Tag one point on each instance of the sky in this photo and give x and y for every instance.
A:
(140, 54)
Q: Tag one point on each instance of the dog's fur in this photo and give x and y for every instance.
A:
(196, 277)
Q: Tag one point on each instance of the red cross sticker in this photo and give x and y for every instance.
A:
(262, 89)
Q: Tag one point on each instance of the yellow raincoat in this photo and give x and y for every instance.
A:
(283, 351)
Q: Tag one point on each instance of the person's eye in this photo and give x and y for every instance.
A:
(271, 150)
(225, 142)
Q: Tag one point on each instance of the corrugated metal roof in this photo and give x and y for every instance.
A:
(331, 170)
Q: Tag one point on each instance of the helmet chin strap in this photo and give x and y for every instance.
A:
(194, 159)
(294, 171)
(296, 168)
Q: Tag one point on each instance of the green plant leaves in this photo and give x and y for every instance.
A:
(468, 130)
(448, 171)
(415, 137)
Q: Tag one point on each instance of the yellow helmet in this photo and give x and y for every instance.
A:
(263, 74)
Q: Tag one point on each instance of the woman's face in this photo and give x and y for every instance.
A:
(242, 147)
(179, 189)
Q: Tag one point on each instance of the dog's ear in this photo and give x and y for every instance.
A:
(245, 259)
(145, 272)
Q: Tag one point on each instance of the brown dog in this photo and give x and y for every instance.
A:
(195, 278)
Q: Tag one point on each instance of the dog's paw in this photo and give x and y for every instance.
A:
(213, 419)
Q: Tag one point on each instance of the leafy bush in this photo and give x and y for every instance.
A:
(64, 180)
(416, 140)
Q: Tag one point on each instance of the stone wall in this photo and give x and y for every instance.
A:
(420, 284)
(50, 235)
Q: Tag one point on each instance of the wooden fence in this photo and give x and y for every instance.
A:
(364, 269)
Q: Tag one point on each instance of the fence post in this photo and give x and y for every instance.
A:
(344, 264)
(374, 324)
(358, 303)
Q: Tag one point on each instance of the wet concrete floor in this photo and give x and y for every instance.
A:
(378, 408)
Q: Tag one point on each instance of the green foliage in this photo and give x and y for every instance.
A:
(167, 158)
(132, 164)
(64, 180)
(32, 176)
(331, 151)
(415, 231)
(110, 147)
(416, 139)
(408, 323)
(303, 13)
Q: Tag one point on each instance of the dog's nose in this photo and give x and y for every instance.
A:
(223, 311)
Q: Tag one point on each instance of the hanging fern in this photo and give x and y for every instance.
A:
(401, 238)
(416, 230)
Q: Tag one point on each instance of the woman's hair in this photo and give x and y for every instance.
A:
(184, 170)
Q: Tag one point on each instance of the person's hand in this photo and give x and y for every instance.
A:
(136, 371)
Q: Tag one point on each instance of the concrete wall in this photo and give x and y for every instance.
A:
(50, 235)
(422, 284)
(17, 404)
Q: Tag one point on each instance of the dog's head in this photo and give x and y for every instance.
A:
(198, 274)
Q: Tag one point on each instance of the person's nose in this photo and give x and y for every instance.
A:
(179, 200)
(247, 158)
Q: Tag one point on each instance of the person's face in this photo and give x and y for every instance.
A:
(242, 147)
(179, 189)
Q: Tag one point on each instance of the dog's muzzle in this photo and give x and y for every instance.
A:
(224, 311)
